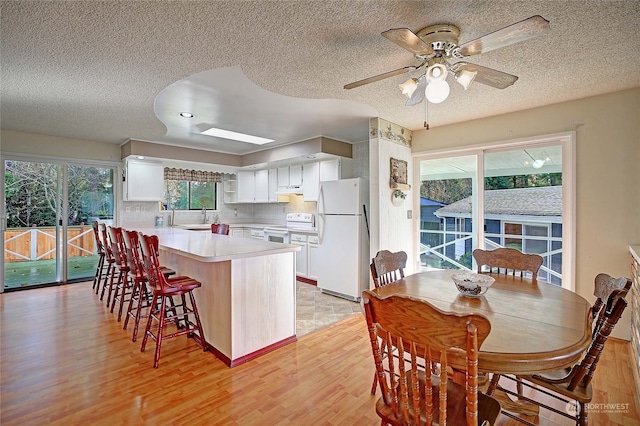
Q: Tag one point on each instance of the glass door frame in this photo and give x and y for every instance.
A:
(63, 164)
(567, 140)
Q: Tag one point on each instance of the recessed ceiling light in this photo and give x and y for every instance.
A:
(186, 115)
(227, 134)
(140, 157)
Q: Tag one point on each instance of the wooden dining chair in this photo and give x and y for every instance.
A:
(571, 386)
(509, 260)
(604, 285)
(184, 315)
(387, 267)
(220, 228)
(411, 393)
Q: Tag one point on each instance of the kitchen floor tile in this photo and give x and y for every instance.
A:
(315, 309)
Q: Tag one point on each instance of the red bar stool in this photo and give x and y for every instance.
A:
(102, 264)
(140, 297)
(109, 258)
(122, 287)
(220, 228)
(163, 290)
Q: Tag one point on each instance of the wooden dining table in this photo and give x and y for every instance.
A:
(536, 327)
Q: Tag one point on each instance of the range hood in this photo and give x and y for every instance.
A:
(288, 190)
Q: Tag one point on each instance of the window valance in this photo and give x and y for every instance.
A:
(191, 175)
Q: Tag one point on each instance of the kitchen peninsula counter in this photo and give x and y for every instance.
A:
(247, 302)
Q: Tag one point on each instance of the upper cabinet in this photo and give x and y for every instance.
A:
(261, 186)
(257, 187)
(246, 187)
(273, 185)
(311, 180)
(295, 175)
(314, 173)
(144, 181)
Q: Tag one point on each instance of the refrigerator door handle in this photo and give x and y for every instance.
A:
(320, 214)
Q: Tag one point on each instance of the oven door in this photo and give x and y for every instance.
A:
(276, 235)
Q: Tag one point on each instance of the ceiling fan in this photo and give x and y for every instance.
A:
(435, 45)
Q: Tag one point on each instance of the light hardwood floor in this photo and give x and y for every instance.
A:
(66, 361)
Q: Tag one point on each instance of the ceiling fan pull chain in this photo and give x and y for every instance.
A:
(426, 111)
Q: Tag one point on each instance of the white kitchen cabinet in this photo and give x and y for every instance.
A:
(237, 232)
(246, 187)
(316, 172)
(335, 169)
(144, 181)
(311, 180)
(261, 186)
(273, 185)
(312, 256)
(301, 256)
(295, 175)
(283, 177)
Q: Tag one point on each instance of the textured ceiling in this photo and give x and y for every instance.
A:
(113, 70)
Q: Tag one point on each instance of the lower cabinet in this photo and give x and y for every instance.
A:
(237, 232)
(307, 257)
(312, 256)
(301, 256)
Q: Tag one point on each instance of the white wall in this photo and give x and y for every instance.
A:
(390, 229)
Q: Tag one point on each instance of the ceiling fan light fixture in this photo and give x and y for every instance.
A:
(408, 87)
(436, 72)
(437, 91)
(465, 77)
(537, 164)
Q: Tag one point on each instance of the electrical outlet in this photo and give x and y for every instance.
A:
(409, 214)
(127, 209)
(143, 208)
(137, 209)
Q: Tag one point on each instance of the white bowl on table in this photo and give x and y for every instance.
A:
(472, 284)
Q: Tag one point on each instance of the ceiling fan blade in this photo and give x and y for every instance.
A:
(488, 76)
(418, 94)
(515, 33)
(406, 39)
(380, 77)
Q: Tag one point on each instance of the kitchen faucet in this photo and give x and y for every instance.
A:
(204, 214)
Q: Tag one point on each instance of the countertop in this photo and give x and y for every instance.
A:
(206, 226)
(202, 226)
(209, 247)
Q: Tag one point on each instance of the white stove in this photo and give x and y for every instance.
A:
(295, 221)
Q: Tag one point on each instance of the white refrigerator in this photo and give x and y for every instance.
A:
(343, 238)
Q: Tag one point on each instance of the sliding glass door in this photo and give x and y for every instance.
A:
(48, 210)
(447, 189)
(523, 204)
(521, 194)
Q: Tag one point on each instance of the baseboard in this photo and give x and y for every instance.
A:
(306, 280)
